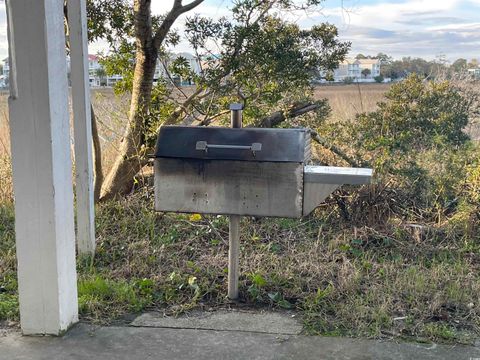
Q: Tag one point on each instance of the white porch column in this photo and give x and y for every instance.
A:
(77, 21)
(42, 178)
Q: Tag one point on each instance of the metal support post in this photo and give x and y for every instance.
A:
(234, 226)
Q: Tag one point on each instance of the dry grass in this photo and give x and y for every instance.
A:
(6, 190)
(348, 100)
(111, 112)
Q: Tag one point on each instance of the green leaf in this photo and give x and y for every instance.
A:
(285, 304)
(275, 297)
(258, 280)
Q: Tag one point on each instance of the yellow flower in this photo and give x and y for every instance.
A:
(195, 217)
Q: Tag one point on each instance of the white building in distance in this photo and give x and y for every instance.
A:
(97, 74)
(475, 72)
(162, 66)
(357, 70)
(373, 67)
(99, 78)
(5, 74)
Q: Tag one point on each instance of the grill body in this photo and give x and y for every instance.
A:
(254, 172)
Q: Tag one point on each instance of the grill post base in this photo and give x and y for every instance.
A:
(233, 255)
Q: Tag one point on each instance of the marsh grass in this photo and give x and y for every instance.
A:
(347, 101)
(6, 189)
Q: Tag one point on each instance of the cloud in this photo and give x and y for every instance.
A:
(423, 43)
(398, 27)
(410, 28)
(432, 20)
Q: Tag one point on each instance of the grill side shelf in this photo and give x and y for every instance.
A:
(337, 175)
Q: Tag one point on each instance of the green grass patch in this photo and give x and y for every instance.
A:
(9, 307)
(8, 281)
(98, 296)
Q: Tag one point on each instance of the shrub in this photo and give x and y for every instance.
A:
(379, 79)
(418, 148)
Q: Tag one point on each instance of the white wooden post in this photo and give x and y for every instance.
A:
(82, 126)
(42, 169)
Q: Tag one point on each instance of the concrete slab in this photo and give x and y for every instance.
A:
(131, 343)
(286, 323)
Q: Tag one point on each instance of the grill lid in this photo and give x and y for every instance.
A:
(245, 144)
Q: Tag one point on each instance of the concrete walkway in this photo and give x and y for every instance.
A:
(209, 337)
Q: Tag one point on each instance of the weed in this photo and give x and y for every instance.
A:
(8, 307)
(439, 332)
(98, 296)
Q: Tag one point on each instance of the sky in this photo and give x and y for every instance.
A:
(417, 28)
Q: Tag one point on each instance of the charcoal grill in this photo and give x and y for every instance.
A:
(242, 172)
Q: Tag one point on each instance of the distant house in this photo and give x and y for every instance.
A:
(475, 72)
(97, 74)
(6, 68)
(98, 77)
(94, 70)
(161, 72)
(351, 70)
(4, 78)
(348, 69)
(193, 61)
(371, 64)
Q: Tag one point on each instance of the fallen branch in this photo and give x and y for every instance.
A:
(321, 141)
(296, 110)
(299, 109)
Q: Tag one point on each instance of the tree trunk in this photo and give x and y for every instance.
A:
(132, 150)
(132, 157)
(97, 157)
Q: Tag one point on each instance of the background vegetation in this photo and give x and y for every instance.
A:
(399, 258)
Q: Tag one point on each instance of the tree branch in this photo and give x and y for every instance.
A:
(190, 6)
(320, 140)
(177, 10)
(181, 108)
(278, 117)
(299, 109)
(208, 119)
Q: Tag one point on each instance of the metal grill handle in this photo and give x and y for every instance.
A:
(204, 146)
